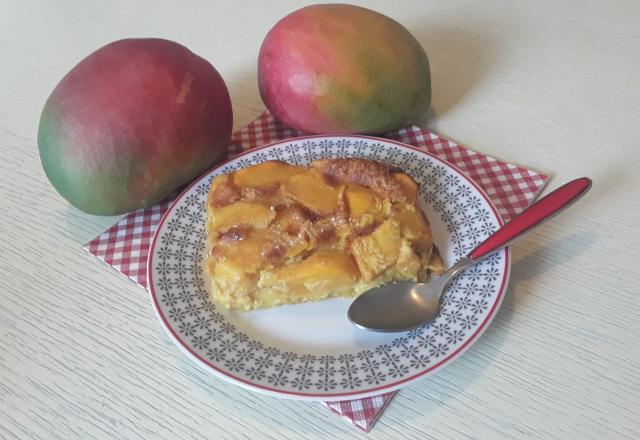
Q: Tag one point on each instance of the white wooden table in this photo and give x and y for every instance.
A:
(550, 85)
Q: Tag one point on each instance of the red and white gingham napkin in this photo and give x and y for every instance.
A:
(125, 245)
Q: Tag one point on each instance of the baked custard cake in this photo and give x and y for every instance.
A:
(282, 234)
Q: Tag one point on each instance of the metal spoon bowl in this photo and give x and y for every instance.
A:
(403, 306)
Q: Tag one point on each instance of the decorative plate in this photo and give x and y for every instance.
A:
(311, 351)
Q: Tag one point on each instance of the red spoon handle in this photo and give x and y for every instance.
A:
(542, 210)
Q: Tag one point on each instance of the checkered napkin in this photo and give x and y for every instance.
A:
(125, 245)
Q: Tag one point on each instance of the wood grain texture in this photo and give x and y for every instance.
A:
(550, 85)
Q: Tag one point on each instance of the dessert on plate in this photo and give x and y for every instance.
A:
(283, 234)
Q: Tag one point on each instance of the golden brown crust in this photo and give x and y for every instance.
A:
(283, 234)
(223, 192)
(368, 173)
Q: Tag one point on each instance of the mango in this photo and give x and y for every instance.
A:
(339, 68)
(310, 189)
(414, 226)
(271, 172)
(245, 256)
(323, 271)
(378, 251)
(241, 214)
(360, 200)
(132, 122)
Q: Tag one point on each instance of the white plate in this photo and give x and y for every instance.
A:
(310, 351)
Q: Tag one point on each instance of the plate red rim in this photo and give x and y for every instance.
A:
(333, 396)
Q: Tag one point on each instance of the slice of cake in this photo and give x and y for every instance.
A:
(281, 234)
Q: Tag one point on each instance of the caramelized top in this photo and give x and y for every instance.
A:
(353, 220)
(367, 173)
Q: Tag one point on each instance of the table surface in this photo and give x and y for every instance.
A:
(550, 85)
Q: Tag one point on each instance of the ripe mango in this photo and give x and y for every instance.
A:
(336, 68)
(132, 122)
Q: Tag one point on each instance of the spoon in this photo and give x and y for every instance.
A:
(405, 305)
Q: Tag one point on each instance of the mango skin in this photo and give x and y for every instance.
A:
(343, 69)
(132, 122)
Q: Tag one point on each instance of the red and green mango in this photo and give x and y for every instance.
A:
(339, 68)
(132, 122)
